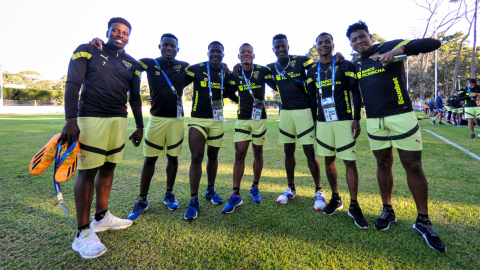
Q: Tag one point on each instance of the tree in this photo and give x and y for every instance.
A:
(188, 92)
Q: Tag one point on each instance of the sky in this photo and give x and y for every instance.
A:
(41, 35)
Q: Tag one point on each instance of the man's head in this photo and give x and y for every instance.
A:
(215, 52)
(245, 54)
(280, 46)
(440, 93)
(118, 32)
(168, 46)
(360, 38)
(472, 83)
(325, 44)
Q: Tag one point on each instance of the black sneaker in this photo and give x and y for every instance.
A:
(384, 221)
(430, 235)
(333, 205)
(356, 213)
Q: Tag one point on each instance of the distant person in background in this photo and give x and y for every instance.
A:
(431, 108)
(470, 94)
(448, 108)
(457, 109)
(279, 106)
(440, 108)
(426, 108)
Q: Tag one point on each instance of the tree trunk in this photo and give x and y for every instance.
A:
(457, 66)
(472, 68)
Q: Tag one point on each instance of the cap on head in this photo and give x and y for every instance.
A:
(119, 20)
(357, 26)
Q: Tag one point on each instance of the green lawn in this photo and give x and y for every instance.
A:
(36, 234)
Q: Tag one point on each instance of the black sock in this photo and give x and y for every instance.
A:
(236, 191)
(423, 219)
(194, 196)
(335, 196)
(317, 189)
(353, 202)
(142, 197)
(169, 191)
(388, 208)
(209, 187)
(255, 184)
(99, 216)
(81, 228)
(291, 186)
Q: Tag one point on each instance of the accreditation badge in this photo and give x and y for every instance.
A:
(257, 109)
(217, 109)
(179, 107)
(329, 110)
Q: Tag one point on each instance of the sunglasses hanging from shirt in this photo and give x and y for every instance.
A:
(179, 98)
(328, 104)
(257, 103)
(217, 105)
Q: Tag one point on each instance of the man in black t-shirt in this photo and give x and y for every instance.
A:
(470, 95)
(331, 97)
(391, 121)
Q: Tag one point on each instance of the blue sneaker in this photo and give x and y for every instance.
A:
(138, 208)
(255, 194)
(234, 201)
(169, 200)
(433, 123)
(472, 136)
(192, 211)
(213, 197)
(459, 125)
(455, 123)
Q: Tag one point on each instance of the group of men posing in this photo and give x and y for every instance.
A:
(315, 97)
(467, 101)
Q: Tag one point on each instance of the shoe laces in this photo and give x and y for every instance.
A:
(193, 203)
(254, 191)
(232, 199)
(319, 197)
(91, 239)
(139, 205)
(430, 230)
(385, 214)
(170, 197)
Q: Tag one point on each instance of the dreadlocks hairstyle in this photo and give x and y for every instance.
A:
(357, 26)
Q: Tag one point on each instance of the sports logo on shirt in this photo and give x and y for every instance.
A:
(177, 68)
(292, 63)
(106, 57)
(157, 72)
(128, 65)
(255, 74)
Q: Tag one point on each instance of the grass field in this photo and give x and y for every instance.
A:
(35, 233)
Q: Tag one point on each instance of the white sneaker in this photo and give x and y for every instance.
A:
(88, 245)
(319, 201)
(286, 195)
(109, 222)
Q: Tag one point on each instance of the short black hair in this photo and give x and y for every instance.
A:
(119, 20)
(472, 81)
(279, 36)
(357, 26)
(215, 43)
(245, 44)
(168, 35)
(324, 34)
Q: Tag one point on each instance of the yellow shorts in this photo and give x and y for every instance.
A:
(400, 131)
(457, 110)
(470, 112)
(335, 139)
(448, 108)
(251, 130)
(297, 126)
(102, 139)
(161, 133)
(213, 131)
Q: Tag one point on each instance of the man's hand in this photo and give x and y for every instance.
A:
(136, 136)
(388, 56)
(356, 129)
(339, 58)
(98, 43)
(225, 67)
(236, 69)
(70, 131)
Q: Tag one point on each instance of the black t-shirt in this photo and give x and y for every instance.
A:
(202, 107)
(164, 101)
(345, 83)
(384, 88)
(293, 95)
(447, 101)
(455, 102)
(258, 77)
(464, 94)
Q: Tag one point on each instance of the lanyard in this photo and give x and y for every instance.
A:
(248, 84)
(320, 80)
(283, 76)
(210, 83)
(166, 78)
(469, 90)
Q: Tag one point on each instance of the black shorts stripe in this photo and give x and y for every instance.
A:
(101, 151)
(324, 145)
(191, 125)
(242, 131)
(306, 132)
(468, 113)
(175, 145)
(158, 147)
(215, 137)
(397, 137)
(286, 134)
(259, 135)
(343, 148)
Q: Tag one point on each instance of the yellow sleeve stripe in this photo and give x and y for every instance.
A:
(232, 82)
(137, 72)
(268, 68)
(351, 74)
(309, 62)
(405, 42)
(269, 76)
(143, 65)
(81, 54)
(309, 80)
(189, 73)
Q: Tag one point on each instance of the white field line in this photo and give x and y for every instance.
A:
(454, 144)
